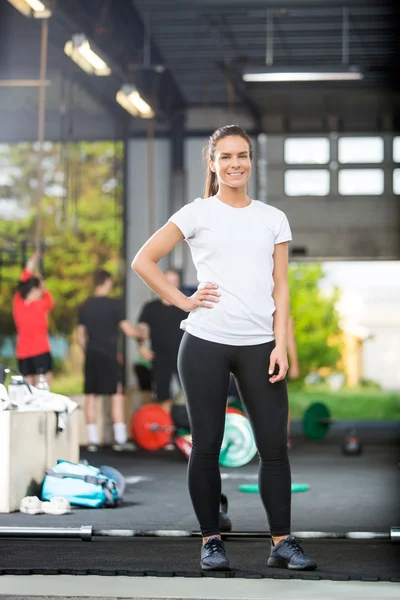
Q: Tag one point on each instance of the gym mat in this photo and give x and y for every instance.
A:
(338, 560)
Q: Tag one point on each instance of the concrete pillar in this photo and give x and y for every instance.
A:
(143, 167)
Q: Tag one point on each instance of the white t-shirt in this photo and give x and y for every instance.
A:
(233, 248)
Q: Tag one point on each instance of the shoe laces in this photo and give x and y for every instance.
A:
(294, 544)
(214, 545)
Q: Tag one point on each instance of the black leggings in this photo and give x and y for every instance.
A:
(204, 369)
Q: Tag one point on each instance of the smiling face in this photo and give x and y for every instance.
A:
(232, 163)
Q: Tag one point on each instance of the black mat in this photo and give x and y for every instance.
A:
(346, 494)
(339, 560)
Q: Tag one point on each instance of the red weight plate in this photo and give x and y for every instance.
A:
(184, 446)
(233, 410)
(145, 426)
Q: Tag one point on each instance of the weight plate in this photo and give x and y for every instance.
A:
(234, 411)
(312, 426)
(252, 488)
(238, 445)
(184, 445)
(235, 403)
(151, 427)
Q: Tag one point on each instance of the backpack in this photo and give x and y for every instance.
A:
(84, 485)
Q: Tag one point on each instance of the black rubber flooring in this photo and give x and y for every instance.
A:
(346, 494)
(340, 560)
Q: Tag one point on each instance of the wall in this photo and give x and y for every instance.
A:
(379, 313)
(334, 226)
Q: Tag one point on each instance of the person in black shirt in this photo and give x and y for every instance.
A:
(160, 322)
(100, 321)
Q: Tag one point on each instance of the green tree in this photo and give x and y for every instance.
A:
(316, 320)
(82, 222)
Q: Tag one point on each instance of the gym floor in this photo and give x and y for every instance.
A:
(346, 494)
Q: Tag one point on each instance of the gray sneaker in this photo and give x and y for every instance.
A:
(213, 556)
(288, 554)
(127, 447)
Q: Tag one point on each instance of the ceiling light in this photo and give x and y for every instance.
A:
(80, 51)
(130, 99)
(276, 74)
(32, 8)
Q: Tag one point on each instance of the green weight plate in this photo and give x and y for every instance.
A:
(235, 403)
(238, 445)
(249, 488)
(181, 432)
(312, 426)
(252, 488)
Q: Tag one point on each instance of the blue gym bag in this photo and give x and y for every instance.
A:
(84, 485)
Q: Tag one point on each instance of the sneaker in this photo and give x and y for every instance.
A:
(127, 447)
(288, 554)
(92, 448)
(31, 505)
(213, 555)
(57, 506)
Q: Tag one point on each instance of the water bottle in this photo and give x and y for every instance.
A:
(16, 391)
(42, 384)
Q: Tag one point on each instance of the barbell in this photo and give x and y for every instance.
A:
(152, 429)
(87, 533)
(316, 422)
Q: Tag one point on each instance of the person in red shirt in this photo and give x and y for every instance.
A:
(31, 304)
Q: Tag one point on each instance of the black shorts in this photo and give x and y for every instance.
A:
(102, 374)
(163, 374)
(35, 365)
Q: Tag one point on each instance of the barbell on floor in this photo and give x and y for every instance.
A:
(86, 533)
(153, 428)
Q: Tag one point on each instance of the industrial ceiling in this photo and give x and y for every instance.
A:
(203, 47)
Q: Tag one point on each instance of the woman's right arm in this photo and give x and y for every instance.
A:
(145, 265)
(30, 266)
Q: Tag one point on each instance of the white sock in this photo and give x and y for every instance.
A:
(120, 435)
(93, 434)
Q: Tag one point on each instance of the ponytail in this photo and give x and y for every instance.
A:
(211, 182)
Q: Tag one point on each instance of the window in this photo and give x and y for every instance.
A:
(355, 182)
(306, 151)
(396, 181)
(307, 182)
(360, 150)
(396, 149)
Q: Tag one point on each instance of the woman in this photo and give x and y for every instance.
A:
(237, 323)
(31, 305)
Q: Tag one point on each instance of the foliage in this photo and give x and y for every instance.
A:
(315, 318)
(82, 222)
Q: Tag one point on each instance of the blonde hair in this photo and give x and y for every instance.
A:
(211, 182)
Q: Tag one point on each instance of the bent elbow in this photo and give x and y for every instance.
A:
(139, 264)
(135, 264)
